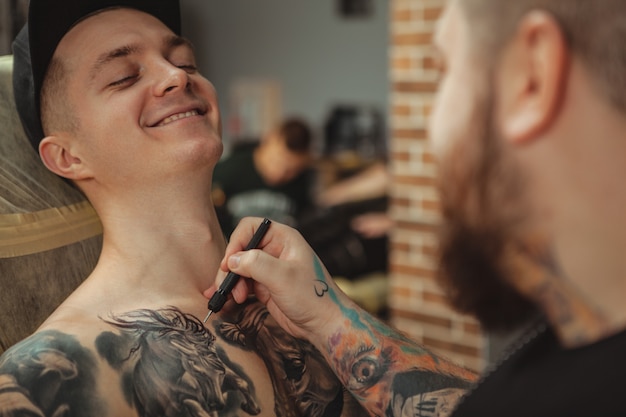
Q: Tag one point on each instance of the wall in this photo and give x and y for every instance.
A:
(319, 57)
(418, 306)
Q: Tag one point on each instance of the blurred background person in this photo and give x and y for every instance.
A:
(349, 230)
(270, 178)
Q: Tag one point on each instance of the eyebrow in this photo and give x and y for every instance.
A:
(171, 42)
(112, 55)
(175, 41)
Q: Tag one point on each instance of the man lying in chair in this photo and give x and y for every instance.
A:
(125, 115)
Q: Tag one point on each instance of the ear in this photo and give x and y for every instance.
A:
(58, 158)
(532, 78)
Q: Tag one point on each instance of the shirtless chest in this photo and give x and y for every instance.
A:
(165, 362)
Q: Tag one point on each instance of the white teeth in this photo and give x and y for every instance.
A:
(178, 116)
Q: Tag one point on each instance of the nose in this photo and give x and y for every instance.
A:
(171, 78)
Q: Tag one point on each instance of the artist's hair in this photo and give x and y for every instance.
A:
(56, 110)
(595, 31)
(297, 135)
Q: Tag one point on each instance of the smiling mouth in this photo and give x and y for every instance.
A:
(178, 116)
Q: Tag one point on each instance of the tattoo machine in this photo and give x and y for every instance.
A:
(221, 295)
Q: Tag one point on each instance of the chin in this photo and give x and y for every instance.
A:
(212, 147)
(474, 276)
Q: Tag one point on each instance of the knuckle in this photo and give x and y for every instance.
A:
(250, 258)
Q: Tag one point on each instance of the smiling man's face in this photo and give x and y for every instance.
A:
(142, 107)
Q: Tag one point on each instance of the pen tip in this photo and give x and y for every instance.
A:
(207, 316)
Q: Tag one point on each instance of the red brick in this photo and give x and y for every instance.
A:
(451, 346)
(402, 63)
(431, 205)
(416, 226)
(432, 13)
(408, 39)
(418, 181)
(429, 158)
(412, 270)
(472, 328)
(430, 250)
(402, 110)
(429, 63)
(443, 322)
(435, 298)
(415, 87)
(401, 156)
(409, 133)
(418, 237)
(402, 15)
(401, 202)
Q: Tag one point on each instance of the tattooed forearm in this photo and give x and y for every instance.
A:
(385, 370)
(431, 404)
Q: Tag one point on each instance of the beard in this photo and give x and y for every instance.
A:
(481, 196)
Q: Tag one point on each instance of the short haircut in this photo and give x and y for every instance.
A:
(297, 135)
(595, 31)
(57, 113)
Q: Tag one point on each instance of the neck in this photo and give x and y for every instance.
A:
(166, 243)
(575, 173)
(578, 278)
(574, 316)
(593, 267)
(258, 158)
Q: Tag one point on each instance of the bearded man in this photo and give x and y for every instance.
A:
(529, 128)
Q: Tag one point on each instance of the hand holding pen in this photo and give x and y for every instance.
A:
(218, 299)
(286, 276)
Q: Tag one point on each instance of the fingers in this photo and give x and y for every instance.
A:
(239, 292)
(258, 265)
(240, 238)
(262, 265)
(285, 275)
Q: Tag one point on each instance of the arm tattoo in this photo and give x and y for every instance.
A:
(388, 371)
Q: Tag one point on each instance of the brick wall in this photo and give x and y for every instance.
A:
(417, 306)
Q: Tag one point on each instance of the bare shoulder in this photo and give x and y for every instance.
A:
(49, 373)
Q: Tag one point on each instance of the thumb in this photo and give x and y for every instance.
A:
(257, 265)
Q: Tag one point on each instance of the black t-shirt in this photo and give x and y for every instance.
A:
(239, 191)
(543, 379)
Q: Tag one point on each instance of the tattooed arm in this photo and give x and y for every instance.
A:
(388, 373)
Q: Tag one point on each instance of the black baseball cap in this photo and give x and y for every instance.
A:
(48, 22)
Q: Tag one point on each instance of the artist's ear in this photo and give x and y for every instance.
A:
(57, 156)
(531, 78)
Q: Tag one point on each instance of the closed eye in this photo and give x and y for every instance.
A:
(189, 68)
(125, 80)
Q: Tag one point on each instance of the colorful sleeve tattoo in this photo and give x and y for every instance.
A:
(388, 373)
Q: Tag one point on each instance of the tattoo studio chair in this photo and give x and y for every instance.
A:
(50, 236)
